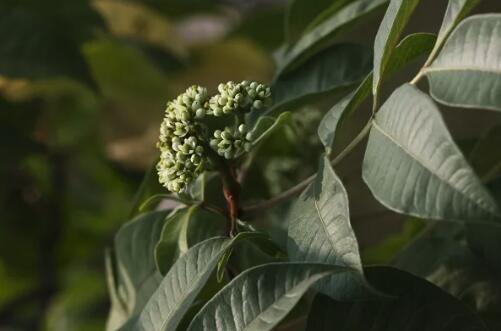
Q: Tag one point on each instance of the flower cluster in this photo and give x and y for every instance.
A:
(180, 141)
(244, 96)
(184, 137)
(231, 143)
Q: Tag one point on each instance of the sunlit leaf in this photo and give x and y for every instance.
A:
(466, 72)
(259, 298)
(413, 166)
(320, 231)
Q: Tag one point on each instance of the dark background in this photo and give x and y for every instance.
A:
(82, 91)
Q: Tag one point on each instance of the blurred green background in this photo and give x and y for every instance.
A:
(83, 86)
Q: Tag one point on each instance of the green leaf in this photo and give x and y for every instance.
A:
(418, 305)
(320, 231)
(180, 286)
(173, 241)
(337, 68)
(410, 48)
(259, 298)
(413, 166)
(266, 125)
(321, 36)
(134, 245)
(394, 21)
(467, 71)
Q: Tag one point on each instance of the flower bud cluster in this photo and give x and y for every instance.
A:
(183, 136)
(244, 96)
(230, 144)
(180, 141)
(258, 95)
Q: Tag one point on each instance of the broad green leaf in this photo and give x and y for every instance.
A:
(418, 305)
(266, 125)
(485, 157)
(413, 166)
(394, 21)
(205, 225)
(466, 72)
(320, 231)
(180, 286)
(259, 298)
(321, 36)
(410, 48)
(134, 246)
(336, 68)
(173, 241)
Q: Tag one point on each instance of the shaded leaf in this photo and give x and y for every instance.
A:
(394, 21)
(173, 241)
(334, 69)
(134, 245)
(413, 166)
(419, 305)
(266, 125)
(468, 76)
(259, 298)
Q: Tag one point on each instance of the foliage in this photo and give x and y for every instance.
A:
(248, 217)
